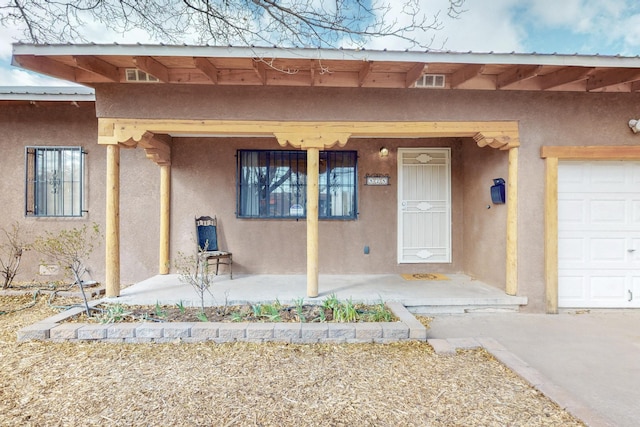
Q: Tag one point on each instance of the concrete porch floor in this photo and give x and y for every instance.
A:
(459, 294)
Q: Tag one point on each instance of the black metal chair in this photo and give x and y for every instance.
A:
(207, 232)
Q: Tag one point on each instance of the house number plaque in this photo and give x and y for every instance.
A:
(377, 179)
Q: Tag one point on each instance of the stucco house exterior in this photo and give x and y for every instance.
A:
(339, 162)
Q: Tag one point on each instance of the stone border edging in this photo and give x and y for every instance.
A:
(52, 329)
(531, 375)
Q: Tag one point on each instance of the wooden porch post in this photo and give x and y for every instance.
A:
(165, 216)
(112, 232)
(313, 160)
(551, 234)
(512, 224)
(312, 140)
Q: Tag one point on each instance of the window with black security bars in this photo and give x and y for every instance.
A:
(54, 182)
(273, 184)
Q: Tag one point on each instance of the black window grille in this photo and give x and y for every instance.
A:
(273, 184)
(54, 185)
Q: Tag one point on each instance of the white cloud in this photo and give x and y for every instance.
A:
(7, 36)
(13, 76)
(631, 33)
(484, 26)
(602, 26)
(556, 13)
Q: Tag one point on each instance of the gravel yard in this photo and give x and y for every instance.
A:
(68, 384)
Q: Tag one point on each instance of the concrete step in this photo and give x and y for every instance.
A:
(503, 304)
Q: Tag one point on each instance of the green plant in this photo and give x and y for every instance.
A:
(70, 248)
(331, 302)
(113, 313)
(345, 312)
(299, 307)
(237, 316)
(381, 313)
(159, 311)
(181, 307)
(257, 310)
(341, 312)
(271, 311)
(11, 253)
(202, 316)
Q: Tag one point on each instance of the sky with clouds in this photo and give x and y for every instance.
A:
(605, 27)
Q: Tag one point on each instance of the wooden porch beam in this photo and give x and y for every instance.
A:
(313, 64)
(120, 130)
(153, 67)
(321, 140)
(207, 68)
(157, 147)
(563, 76)
(607, 78)
(601, 152)
(261, 70)
(499, 140)
(364, 72)
(516, 74)
(98, 66)
(465, 74)
(414, 74)
(48, 66)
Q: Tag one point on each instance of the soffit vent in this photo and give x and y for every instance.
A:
(431, 81)
(135, 75)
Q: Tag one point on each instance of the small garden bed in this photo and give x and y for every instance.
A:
(331, 310)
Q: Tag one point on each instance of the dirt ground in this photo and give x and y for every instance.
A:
(206, 384)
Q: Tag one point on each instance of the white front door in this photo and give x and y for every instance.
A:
(424, 211)
(599, 234)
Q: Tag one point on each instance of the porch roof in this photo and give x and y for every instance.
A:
(92, 64)
(46, 93)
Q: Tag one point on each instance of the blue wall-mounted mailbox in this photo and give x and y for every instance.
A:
(497, 191)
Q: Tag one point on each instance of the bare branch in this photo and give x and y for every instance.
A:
(317, 23)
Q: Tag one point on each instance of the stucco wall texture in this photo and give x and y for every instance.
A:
(204, 170)
(63, 124)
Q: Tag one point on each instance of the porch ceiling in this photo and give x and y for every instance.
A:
(94, 64)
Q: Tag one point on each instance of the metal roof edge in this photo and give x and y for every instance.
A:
(429, 56)
(46, 93)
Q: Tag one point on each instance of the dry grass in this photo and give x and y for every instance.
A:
(65, 384)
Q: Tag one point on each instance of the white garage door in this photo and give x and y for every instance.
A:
(599, 234)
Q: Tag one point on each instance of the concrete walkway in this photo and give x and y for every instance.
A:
(594, 356)
(457, 294)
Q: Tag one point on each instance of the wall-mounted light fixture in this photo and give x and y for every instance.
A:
(634, 124)
(497, 191)
(384, 151)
